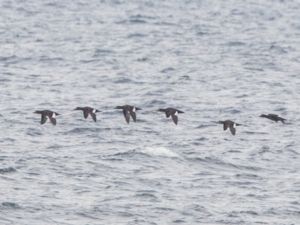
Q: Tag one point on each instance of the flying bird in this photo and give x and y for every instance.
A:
(88, 111)
(230, 124)
(273, 117)
(129, 110)
(47, 114)
(171, 112)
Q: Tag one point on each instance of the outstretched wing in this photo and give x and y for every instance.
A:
(85, 114)
(43, 119)
(168, 114)
(53, 120)
(282, 120)
(126, 115)
(94, 116)
(225, 126)
(232, 130)
(272, 115)
(175, 118)
(133, 115)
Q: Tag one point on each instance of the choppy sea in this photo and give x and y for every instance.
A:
(214, 60)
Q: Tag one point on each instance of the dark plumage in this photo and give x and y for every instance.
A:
(88, 111)
(45, 114)
(171, 112)
(273, 117)
(129, 110)
(229, 124)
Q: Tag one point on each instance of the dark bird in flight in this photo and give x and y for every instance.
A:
(88, 111)
(129, 110)
(230, 124)
(273, 117)
(45, 114)
(171, 112)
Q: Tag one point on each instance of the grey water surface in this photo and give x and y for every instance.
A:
(214, 60)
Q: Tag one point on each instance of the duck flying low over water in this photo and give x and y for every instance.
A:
(171, 112)
(129, 110)
(88, 111)
(273, 117)
(229, 124)
(45, 114)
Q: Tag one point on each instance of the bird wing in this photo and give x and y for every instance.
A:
(126, 115)
(168, 114)
(282, 119)
(43, 119)
(175, 118)
(225, 126)
(85, 114)
(94, 116)
(272, 115)
(53, 120)
(133, 115)
(232, 130)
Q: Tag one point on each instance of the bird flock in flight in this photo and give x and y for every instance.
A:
(129, 111)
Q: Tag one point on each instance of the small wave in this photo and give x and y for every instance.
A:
(146, 196)
(235, 43)
(83, 130)
(122, 154)
(219, 162)
(33, 132)
(179, 221)
(143, 59)
(155, 102)
(123, 80)
(254, 68)
(136, 35)
(102, 52)
(10, 205)
(278, 49)
(167, 70)
(2, 80)
(205, 126)
(148, 151)
(160, 151)
(137, 21)
(3, 58)
(7, 170)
